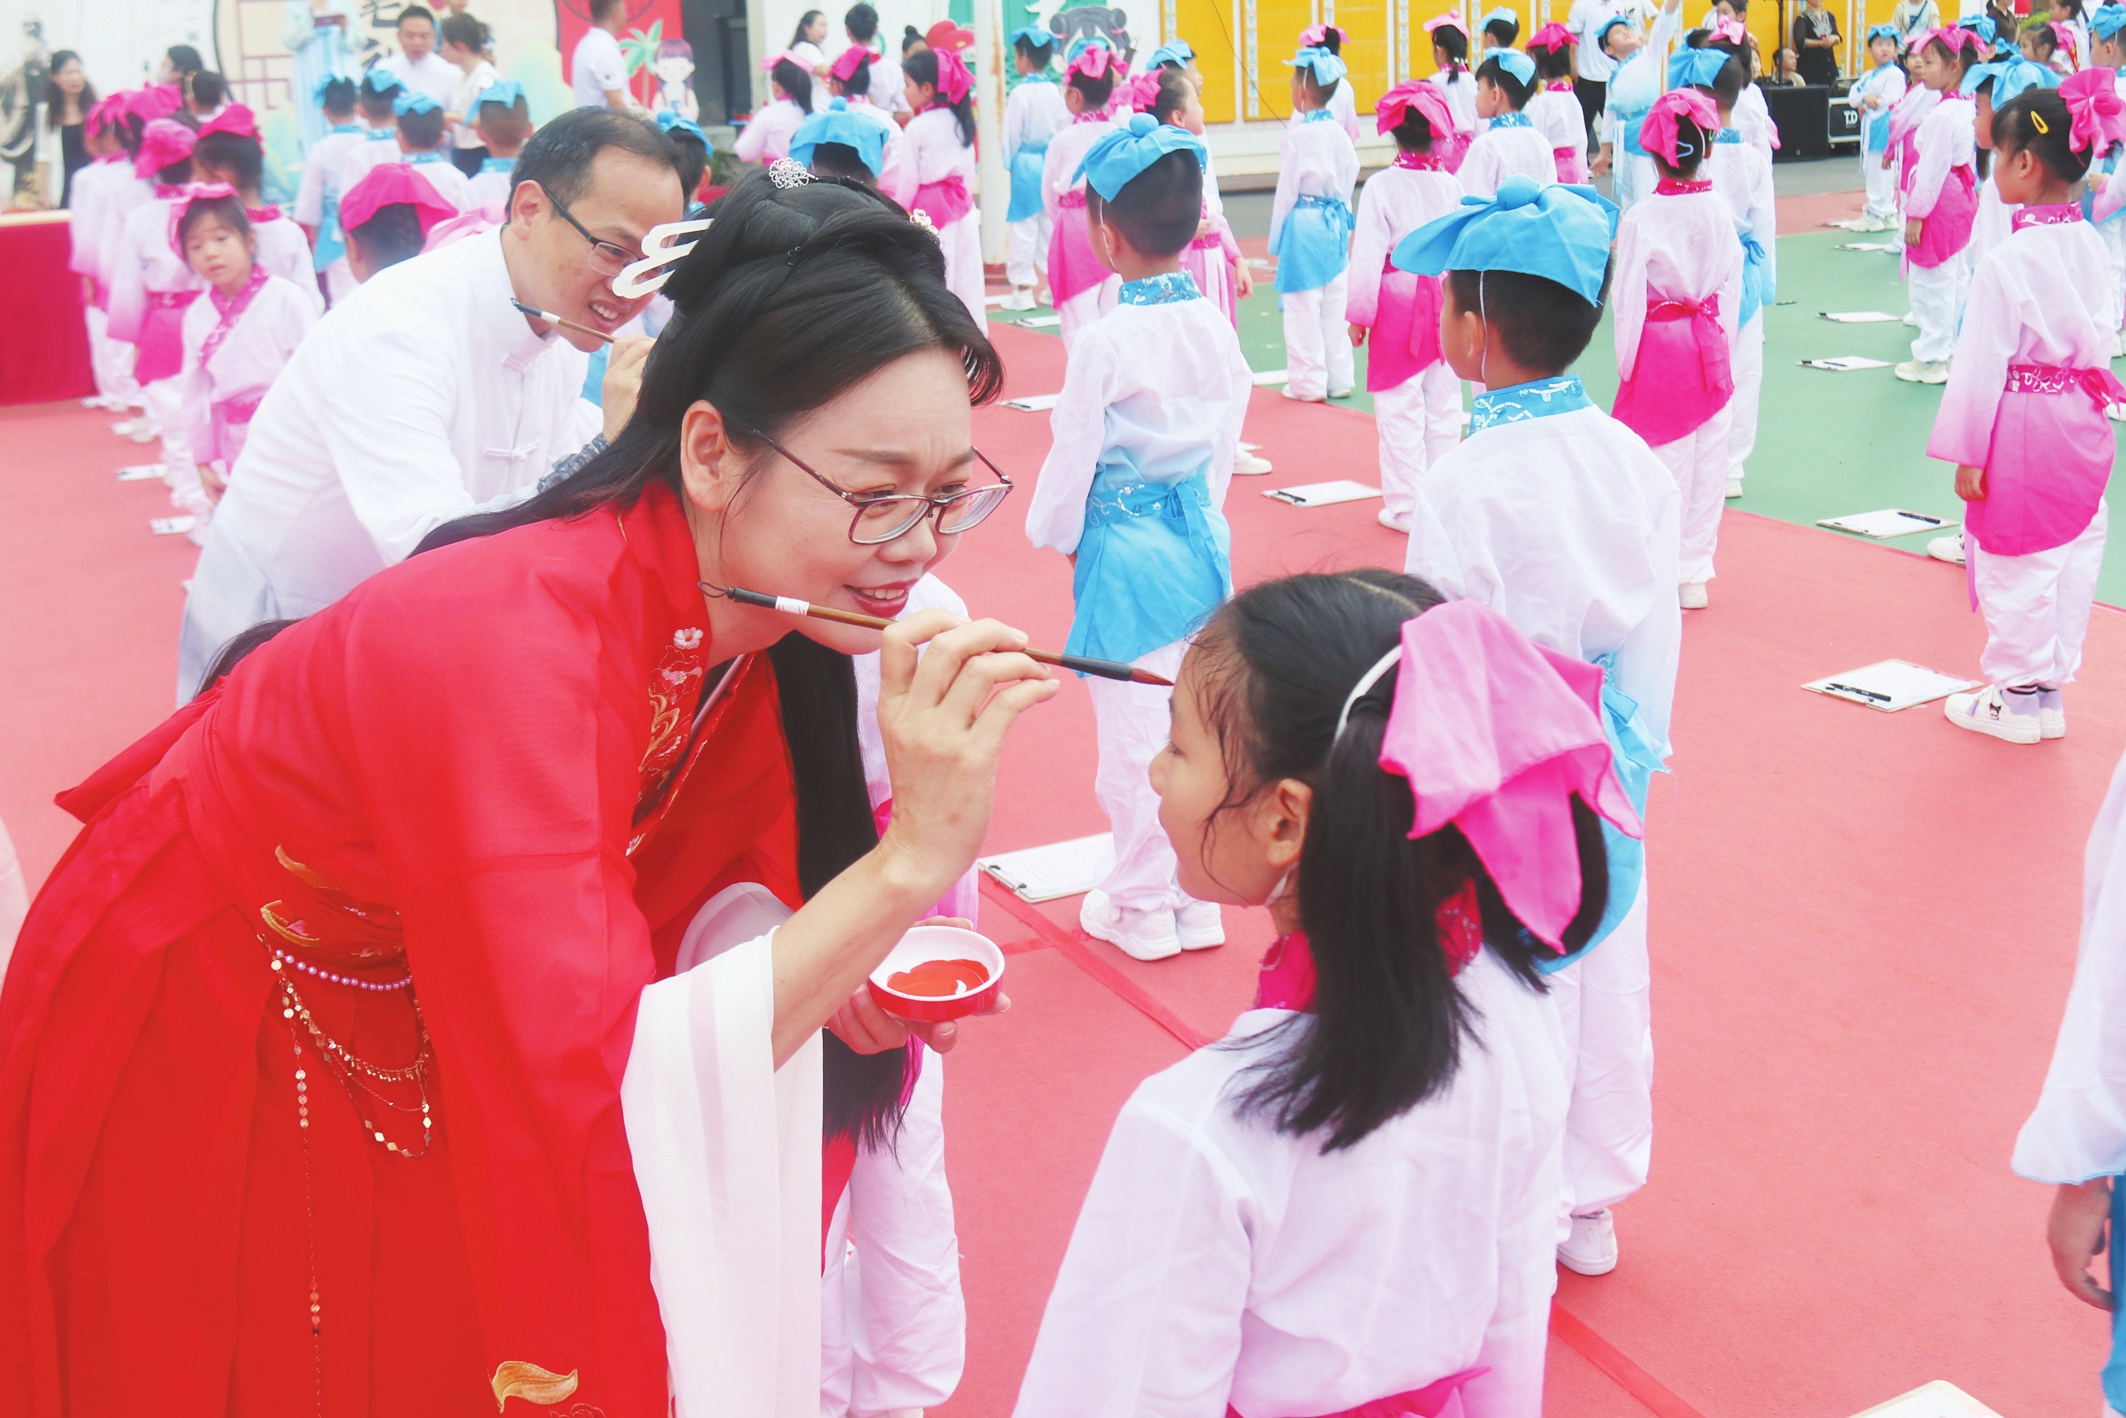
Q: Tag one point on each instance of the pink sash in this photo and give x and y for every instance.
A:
(1681, 377)
(1072, 267)
(1204, 260)
(1571, 164)
(229, 423)
(161, 344)
(1427, 1402)
(2049, 460)
(1405, 339)
(943, 202)
(1946, 230)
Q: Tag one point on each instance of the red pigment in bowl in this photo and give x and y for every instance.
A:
(939, 979)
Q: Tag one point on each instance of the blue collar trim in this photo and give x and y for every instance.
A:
(1728, 135)
(348, 128)
(1518, 403)
(1511, 120)
(1167, 288)
(432, 155)
(378, 135)
(1318, 115)
(494, 164)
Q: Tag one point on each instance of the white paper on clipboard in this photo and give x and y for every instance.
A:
(1890, 522)
(1322, 494)
(1845, 364)
(1033, 403)
(1056, 870)
(1890, 685)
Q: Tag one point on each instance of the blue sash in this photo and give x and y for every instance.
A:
(594, 376)
(1637, 758)
(1154, 561)
(331, 241)
(1026, 165)
(1314, 245)
(1758, 284)
(2114, 1372)
(1629, 122)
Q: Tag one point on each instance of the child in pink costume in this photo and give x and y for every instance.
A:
(104, 192)
(151, 285)
(1677, 293)
(1417, 401)
(1940, 203)
(2023, 416)
(1555, 111)
(1213, 260)
(1081, 288)
(937, 165)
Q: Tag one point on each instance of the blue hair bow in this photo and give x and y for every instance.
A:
(671, 120)
(836, 124)
(503, 91)
(1888, 32)
(1039, 36)
(2012, 78)
(380, 80)
(1513, 62)
(2107, 20)
(1174, 51)
(317, 92)
(1556, 230)
(1084, 42)
(412, 101)
(1326, 67)
(1696, 68)
(1129, 148)
(1510, 16)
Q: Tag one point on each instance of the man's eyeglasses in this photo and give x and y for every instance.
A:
(883, 517)
(609, 258)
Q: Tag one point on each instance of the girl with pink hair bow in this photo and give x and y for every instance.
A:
(1941, 202)
(2023, 415)
(1554, 109)
(103, 193)
(936, 164)
(151, 285)
(1079, 286)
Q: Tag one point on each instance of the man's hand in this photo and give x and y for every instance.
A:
(623, 382)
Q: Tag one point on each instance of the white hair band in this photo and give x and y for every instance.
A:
(1365, 684)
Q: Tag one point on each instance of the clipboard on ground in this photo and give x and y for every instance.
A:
(1322, 494)
(1890, 685)
(1845, 364)
(1033, 403)
(1859, 317)
(1940, 1399)
(1890, 522)
(1056, 870)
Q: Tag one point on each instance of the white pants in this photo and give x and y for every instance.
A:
(1317, 340)
(1087, 306)
(112, 360)
(1605, 1011)
(1748, 367)
(1698, 463)
(1937, 295)
(892, 1320)
(962, 241)
(2114, 234)
(338, 280)
(2037, 607)
(1882, 186)
(1632, 177)
(1419, 421)
(1026, 255)
(1131, 722)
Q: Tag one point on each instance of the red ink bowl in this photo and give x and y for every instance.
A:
(926, 943)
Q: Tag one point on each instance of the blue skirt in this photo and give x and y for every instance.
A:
(1154, 561)
(1313, 247)
(1026, 165)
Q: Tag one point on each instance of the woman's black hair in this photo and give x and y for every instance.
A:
(923, 69)
(910, 37)
(804, 23)
(1386, 1028)
(1517, 93)
(338, 95)
(239, 156)
(391, 235)
(1414, 133)
(1455, 45)
(1691, 145)
(1094, 90)
(241, 646)
(184, 59)
(55, 97)
(2037, 122)
(795, 83)
(1040, 56)
(1175, 90)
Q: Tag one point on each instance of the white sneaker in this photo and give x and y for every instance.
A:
(126, 428)
(1340, 393)
(1591, 1249)
(1141, 935)
(1949, 549)
(1199, 925)
(1021, 298)
(1923, 371)
(1304, 398)
(1691, 596)
(1911, 319)
(1995, 713)
(1250, 465)
(1734, 487)
(2051, 715)
(1393, 522)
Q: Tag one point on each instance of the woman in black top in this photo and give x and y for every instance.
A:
(62, 146)
(1816, 37)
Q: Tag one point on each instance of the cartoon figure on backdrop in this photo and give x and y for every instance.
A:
(674, 68)
(1107, 25)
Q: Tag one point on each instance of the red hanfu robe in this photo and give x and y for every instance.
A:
(443, 771)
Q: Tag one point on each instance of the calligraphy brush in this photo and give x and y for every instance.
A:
(1106, 669)
(552, 319)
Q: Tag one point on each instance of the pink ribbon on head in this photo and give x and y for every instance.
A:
(182, 203)
(1733, 31)
(954, 82)
(846, 63)
(1315, 34)
(1094, 61)
(1450, 21)
(1497, 736)
(1422, 95)
(155, 101)
(1552, 36)
(1658, 133)
(236, 118)
(2098, 116)
(1955, 40)
(1138, 92)
(769, 61)
(163, 142)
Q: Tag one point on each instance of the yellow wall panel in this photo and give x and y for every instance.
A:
(1275, 25)
(1370, 52)
(1208, 27)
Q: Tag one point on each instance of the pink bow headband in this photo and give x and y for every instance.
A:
(1448, 21)
(1421, 95)
(849, 61)
(1094, 61)
(186, 195)
(1954, 40)
(954, 82)
(769, 61)
(1315, 34)
(162, 143)
(1139, 92)
(1733, 31)
(1657, 134)
(2099, 118)
(1552, 36)
(155, 101)
(109, 112)
(236, 118)
(1497, 736)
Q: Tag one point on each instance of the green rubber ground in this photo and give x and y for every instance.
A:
(1828, 443)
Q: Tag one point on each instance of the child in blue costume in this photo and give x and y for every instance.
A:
(839, 141)
(1032, 115)
(1633, 87)
(1310, 233)
(1875, 93)
(1145, 431)
(1560, 518)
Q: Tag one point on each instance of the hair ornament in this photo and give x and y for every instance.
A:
(379, 80)
(181, 205)
(1448, 21)
(413, 101)
(1553, 36)
(2037, 121)
(1658, 132)
(1559, 231)
(1888, 32)
(503, 91)
(2094, 107)
(1733, 31)
(786, 174)
(1422, 95)
(922, 219)
(1513, 62)
(849, 61)
(1313, 35)
(662, 248)
(954, 80)
(236, 118)
(1324, 66)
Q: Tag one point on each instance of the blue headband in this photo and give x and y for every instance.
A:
(2011, 79)
(1980, 25)
(1174, 51)
(669, 120)
(2107, 21)
(1888, 32)
(1326, 67)
(1501, 13)
(1513, 62)
(1607, 25)
(1084, 42)
(380, 80)
(503, 91)
(1555, 230)
(414, 102)
(1696, 68)
(1038, 36)
(1129, 148)
(325, 83)
(836, 124)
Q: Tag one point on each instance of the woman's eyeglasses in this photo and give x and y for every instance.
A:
(883, 517)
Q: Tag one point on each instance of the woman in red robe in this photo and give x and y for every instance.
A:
(310, 1050)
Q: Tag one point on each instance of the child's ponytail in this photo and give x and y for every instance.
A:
(1386, 1026)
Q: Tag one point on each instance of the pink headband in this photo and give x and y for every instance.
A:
(1954, 40)
(1315, 34)
(1552, 36)
(1496, 736)
(849, 61)
(1094, 61)
(769, 61)
(2093, 103)
(1138, 92)
(236, 118)
(1422, 95)
(163, 142)
(109, 112)
(391, 184)
(1733, 31)
(1448, 21)
(1658, 133)
(953, 79)
(186, 195)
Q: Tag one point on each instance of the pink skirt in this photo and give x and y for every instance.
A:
(1946, 230)
(1681, 377)
(2049, 460)
(1405, 338)
(1072, 267)
(1572, 164)
(1427, 1402)
(229, 423)
(943, 202)
(1204, 260)
(162, 335)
